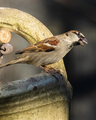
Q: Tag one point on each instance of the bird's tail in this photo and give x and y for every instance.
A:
(11, 62)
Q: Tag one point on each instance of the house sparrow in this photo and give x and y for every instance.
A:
(49, 50)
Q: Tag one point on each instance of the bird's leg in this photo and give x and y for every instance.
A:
(48, 70)
(51, 71)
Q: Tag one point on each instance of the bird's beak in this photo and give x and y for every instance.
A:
(83, 41)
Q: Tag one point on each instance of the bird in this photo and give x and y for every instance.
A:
(49, 50)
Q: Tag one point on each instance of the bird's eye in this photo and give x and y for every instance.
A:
(77, 33)
(80, 35)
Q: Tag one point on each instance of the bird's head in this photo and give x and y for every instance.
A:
(76, 38)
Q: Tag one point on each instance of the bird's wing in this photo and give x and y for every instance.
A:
(46, 45)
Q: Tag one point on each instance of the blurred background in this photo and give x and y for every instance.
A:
(60, 16)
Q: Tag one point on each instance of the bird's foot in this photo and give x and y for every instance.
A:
(51, 71)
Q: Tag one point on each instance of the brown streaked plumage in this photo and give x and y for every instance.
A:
(41, 46)
(51, 41)
(50, 50)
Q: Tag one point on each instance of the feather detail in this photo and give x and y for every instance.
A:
(52, 41)
(46, 45)
(37, 48)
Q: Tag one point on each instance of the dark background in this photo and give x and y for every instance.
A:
(60, 16)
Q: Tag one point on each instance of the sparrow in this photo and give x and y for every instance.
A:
(50, 50)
